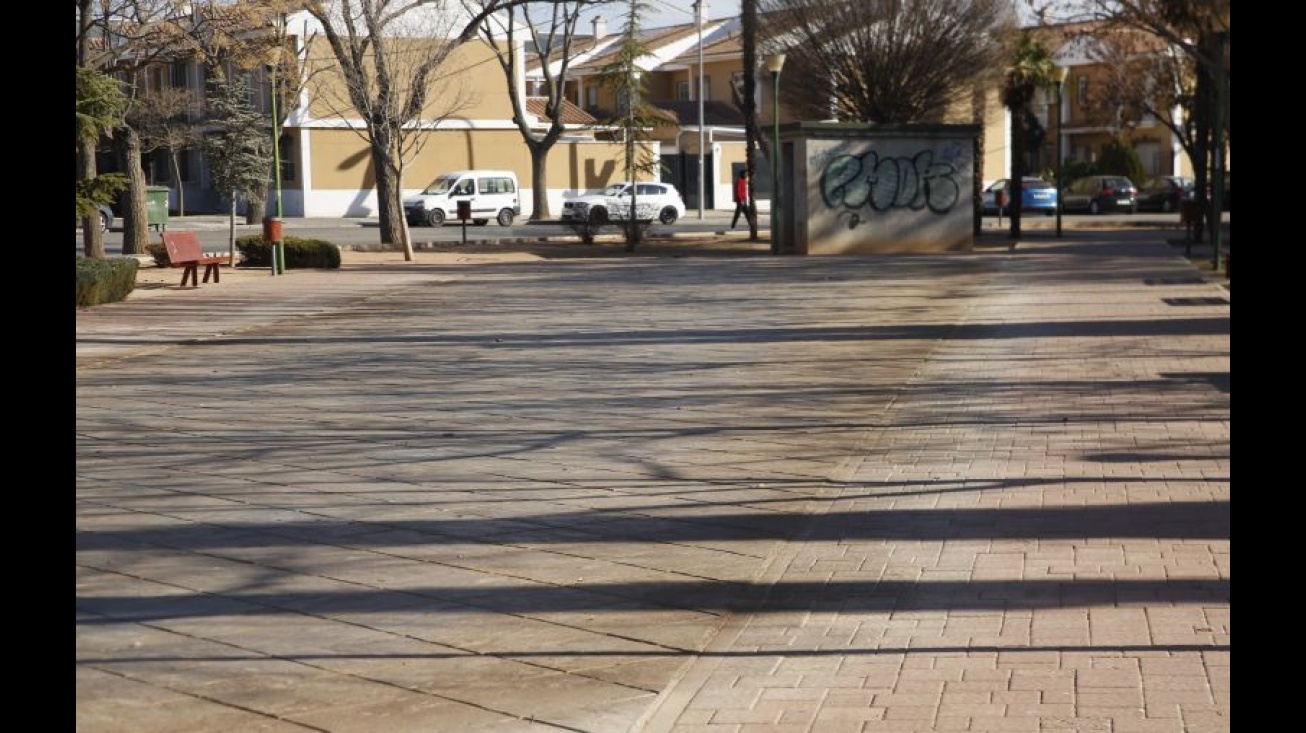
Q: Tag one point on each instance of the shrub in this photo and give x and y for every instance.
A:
(158, 252)
(619, 223)
(1072, 170)
(255, 251)
(1119, 158)
(105, 281)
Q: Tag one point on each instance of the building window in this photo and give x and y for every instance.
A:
(592, 97)
(707, 88)
(682, 91)
(178, 76)
(286, 152)
(1082, 91)
(184, 165)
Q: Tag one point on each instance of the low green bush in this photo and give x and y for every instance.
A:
(105, 281)
(255, 251)
(589, 229)
(158, 252)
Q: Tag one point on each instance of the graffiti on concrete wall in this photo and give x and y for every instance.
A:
(856, 185)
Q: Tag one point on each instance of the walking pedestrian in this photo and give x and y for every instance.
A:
(741, 200)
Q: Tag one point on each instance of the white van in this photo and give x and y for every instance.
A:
(492, 194)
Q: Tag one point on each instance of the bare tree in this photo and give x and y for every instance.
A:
(166, 120)
(551, 45)
(884, 61)
(387, 53)
(1174, 59)
(120, 38)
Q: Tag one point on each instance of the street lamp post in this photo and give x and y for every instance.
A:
(698, 8)
(774, 63)
(1059, 80)
(272, 225)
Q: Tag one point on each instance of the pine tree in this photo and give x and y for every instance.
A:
(239, 148)
(634, 116)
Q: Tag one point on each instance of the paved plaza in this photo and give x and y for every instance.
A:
(736, 493)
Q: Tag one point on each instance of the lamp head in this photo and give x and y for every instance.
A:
(1060, 74)
(775, 62)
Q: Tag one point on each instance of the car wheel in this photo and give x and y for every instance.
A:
(1167, 206)
(1093, 207)
(435, 217)
(505, 217)
(480, 222)
(668, 215)
(104, 222)
(599, 215)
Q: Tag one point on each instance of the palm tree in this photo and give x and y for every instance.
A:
(1031, 68)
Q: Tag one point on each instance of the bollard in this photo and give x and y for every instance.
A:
(464, 213)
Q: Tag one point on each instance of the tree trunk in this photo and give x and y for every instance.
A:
(231, 233)
(256, 205)
(977, 184)
(1203, 149)
(539, 181)
(748, 11)
(388, 196)
(92, 237)
(1016, 189)
(131, 201)
(176, 182)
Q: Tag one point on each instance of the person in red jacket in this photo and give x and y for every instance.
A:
(741, 200)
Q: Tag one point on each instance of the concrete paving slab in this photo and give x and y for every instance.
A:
(981, 491)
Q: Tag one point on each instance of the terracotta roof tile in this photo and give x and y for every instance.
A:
(571, 114)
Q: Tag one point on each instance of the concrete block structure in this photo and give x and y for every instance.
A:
(858, 188)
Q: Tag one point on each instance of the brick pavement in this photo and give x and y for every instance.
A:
(944, 492)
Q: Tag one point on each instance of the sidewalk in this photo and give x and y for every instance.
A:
(984, 492)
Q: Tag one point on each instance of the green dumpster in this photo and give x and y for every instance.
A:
(156, 206)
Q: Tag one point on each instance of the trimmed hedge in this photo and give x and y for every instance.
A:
(255, 251)
(105, 281)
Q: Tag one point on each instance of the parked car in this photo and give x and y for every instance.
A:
(106, 217)
(490, 194)
(1165, 193)
(613, 202)
(1100, 193)
(1038, 195)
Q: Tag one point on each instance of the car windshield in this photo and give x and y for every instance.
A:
(440, 186)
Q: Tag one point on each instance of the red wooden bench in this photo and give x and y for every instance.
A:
(184, 251)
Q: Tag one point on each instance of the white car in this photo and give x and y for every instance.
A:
(662, 200)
